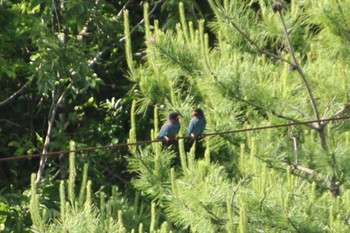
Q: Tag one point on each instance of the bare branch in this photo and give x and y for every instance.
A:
(339, 112)
(295, 147)
(332, 185)
(327, 108)
(143, 20)
(11, 123)
(114, 175)
(215, 218)
(52, 116)
(14, 95)
(303, 169)
(298, 67)
(274, 112)
(120, 14)
(253, 43)
(96, 59)
(240, 183)
(294, 225)
(300, 111)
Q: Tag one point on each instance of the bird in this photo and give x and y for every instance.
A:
(171, 128)
(197, 124)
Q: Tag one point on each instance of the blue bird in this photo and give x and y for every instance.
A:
(171, 128)
(197, 124)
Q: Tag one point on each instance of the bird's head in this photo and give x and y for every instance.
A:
(197, 112)
(174, 116)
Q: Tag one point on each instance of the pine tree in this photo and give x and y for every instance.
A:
(257, 64)
(263, 63)
(82, 213)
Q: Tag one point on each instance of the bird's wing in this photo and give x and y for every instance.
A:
(191, 126)
(202, 126)
(163, 130)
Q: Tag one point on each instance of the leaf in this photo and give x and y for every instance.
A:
(39, 139)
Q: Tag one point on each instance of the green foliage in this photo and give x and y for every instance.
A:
(270, 63)
(14, 216)
(82, 212)
(257, 63)
(198, 198)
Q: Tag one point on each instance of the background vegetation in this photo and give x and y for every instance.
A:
(78, 74)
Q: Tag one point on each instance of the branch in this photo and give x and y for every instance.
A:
(11, 123)
(273, 112)
(240, 183)
(120, 14)
(340, 8)
(331, 185)
(217, 220)
(303, 169)
(328, 107)
(14, 95)
(295, 226)
(339, 112)
(52, 116)
(143, 20)
(295, 148)
(253, 43)
(173, 57)
(95, 60)
(297, 65)
(294, 64)
(311, 176)
(300, 111)
(116, 176)
(57, 18)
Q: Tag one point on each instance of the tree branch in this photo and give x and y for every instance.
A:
(303, 169)
(143, 20)
(331, 185)
(300, 111)
(327, 108)
(298, 67)
(120, 14)
(240, 183)
(339, 112)
(294, 64)
(253, 43)
(295, 148)
(215, 218)
(14, 95)
(295, 226)
(11, 123)
(273, 112)
(52, 116)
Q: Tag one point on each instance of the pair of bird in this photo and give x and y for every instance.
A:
(171, 128)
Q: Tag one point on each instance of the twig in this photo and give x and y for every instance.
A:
(117, 176)
(273, 112)
(254, 44)
(240, 183)
(300, 111)
(11, 123)
(294, 225)
(303, 169)
(14, 95)
(120, 14)
(142, 20)
(340, 111)
(295, 147)
(216, 219)
(298, 67)
(328, 107)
